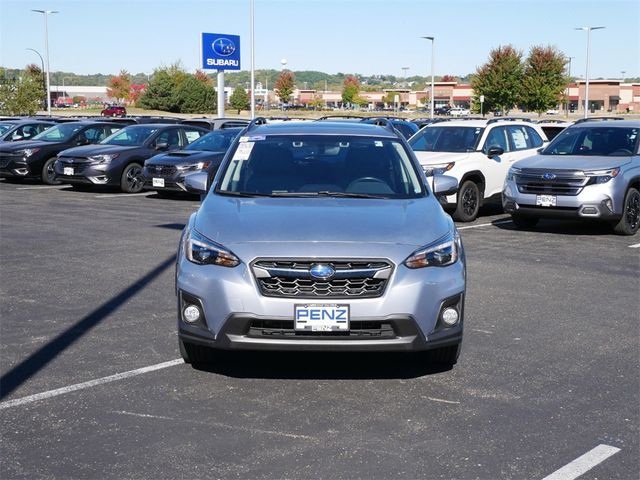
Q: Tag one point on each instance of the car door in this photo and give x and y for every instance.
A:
(496, 167)
(171, 137)
(524, 142)
(191, 134)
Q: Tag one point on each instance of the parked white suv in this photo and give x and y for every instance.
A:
(476, 152)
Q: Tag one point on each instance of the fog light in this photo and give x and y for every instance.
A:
(450, 317)
(191, 314)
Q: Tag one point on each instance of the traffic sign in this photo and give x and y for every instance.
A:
(220, 51)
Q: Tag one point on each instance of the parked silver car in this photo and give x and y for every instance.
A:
(320, 236)
(591, 170)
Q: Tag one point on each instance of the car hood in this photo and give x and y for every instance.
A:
(181, 157)
(414, 222)
(434, 158)
(91, 150)
(22, 144)
(571, 162)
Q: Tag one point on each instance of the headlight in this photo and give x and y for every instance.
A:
(438, 169)
(513, 172)
(27, 152)
(602, 176)
(103, 158)
(194, 167)
(199, 249)
(441, 255)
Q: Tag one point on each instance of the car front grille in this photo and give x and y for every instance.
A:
(79, 166)
(293, 279)
(162, 170)
(544, 182)
(368, 329)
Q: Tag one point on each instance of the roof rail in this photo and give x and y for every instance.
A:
(509, 119)
(330, 117)
(256, 122)
(382, 122)
(597, 119)
(553, 120)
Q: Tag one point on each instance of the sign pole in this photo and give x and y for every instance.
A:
(221, 93)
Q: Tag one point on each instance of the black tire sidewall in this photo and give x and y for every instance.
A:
(123, 178)
(44, 177)
(623, 227)
(459, 213)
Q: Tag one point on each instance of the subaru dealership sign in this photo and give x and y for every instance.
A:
(220, 51)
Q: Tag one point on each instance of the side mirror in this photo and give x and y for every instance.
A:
(162, 146)
(444, 185)
(495, 152)
(540, 150)
(82, 141)
(197, 182)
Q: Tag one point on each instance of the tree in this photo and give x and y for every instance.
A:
(203, 77)
(162, 89)
(136, 92)
(499, 80)
(284, 85)
(239, 99)
(194, 96)
(448, 78)
(350, 90)
(22, 95)
(544, 79)
(120, 86)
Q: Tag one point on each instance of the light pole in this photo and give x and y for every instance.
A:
(433, 41)
(45, 13)
(568, 80)
(253, 60)
(586, 87)
(404, 74)
(44, 81)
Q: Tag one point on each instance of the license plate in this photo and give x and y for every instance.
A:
(546, 200)
(321, 318)
(158, 182)
(67, 171)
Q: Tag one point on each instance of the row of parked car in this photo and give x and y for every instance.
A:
(590, 170)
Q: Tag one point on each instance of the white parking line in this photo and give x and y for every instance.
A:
(583, 463)
(90, 383)
(42, 187)
(637, 245)
(486, 224)
(123, 195)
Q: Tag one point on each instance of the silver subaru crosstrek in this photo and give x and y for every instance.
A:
(590, 171)
(320, 236)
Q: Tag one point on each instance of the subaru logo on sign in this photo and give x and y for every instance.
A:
(549, 176)
(223, 47)
(322, 271)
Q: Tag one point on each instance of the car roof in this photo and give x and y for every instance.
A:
(36, 121)
(606, 123)
(322, 128)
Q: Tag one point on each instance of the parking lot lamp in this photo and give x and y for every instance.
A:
(253, 60)
(44, 81)
(586, 87)
(433, 41)
(45, 14)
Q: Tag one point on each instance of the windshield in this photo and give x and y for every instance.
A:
(5, 127)
(595, 141)
(217, 141)
(59, 133)
(446, 139)
(130, 136)
(321, 166)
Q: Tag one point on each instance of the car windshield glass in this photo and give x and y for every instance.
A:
(217, 141)
(322, 165)
(446, 139)
(5, 127)
(595, 141)
(130, 136)
(59, 133)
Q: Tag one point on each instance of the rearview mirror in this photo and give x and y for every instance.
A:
(495, 152)
(444, 185)
(197, 182)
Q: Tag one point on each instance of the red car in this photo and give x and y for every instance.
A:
(114, 111)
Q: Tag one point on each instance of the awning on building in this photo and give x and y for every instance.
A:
(614, 98)
(462, 98)
(573, 97)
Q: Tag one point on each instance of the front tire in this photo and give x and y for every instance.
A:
(132, 180)
(48, 174)
(630, 221)
(524, 223)
(468, 203)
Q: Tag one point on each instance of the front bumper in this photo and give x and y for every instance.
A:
(234, 311)
(174, 183)
(86, 173)
(598, 202)
(14, 166)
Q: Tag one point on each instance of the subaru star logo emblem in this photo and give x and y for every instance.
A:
(223, 47)
(549, 176)
(322, 271)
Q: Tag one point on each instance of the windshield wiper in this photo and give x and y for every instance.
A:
(240, 194)
(326, 194)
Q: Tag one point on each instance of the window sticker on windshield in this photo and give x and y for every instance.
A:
(243, 151)
(378, 143)
(244, 139)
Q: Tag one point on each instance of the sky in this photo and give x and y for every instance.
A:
(348, 36)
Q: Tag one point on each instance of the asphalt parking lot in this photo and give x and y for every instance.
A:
(550, 367)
